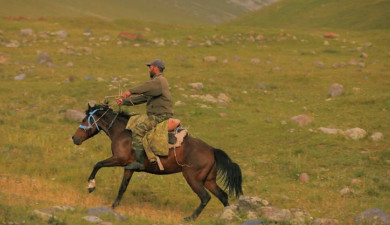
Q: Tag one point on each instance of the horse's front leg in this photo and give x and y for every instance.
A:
(112, 161)
(125, 182)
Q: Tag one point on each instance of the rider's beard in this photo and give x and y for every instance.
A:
(152, 74)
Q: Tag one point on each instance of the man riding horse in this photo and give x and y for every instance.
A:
(155, 93)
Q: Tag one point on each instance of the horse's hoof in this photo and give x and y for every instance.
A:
(188, 218)
(115, 204)
(90, 190)
(91, 185)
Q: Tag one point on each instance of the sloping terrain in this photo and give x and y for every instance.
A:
(344, 14)
(165, 11)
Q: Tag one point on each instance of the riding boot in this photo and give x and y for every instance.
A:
(138, 164)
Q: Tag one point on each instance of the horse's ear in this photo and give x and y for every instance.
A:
(91, 104)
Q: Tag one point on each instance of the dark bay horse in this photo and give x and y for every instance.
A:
(199, 162)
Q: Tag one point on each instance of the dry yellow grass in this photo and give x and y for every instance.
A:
(22, 189)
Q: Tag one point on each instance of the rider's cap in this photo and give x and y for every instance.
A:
(157, 62)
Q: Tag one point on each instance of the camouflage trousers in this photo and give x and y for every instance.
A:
(141, 129)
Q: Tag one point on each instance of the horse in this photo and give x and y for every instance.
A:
(196, 160)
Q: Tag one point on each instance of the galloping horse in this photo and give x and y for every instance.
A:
(199, 162)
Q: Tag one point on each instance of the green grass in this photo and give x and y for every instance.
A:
(40, 167)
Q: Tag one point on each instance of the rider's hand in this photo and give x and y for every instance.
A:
(119, 101)
(126, 94)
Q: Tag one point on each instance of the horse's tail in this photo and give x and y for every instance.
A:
(230, 172)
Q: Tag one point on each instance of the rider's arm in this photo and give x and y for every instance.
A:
(135, 100)
(150, 88)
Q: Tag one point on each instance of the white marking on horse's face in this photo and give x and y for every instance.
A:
(92, 183)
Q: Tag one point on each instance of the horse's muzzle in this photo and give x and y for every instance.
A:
(76, 140)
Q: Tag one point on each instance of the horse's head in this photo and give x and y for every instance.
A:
(89, 126)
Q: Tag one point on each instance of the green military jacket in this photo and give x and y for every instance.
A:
(156, 95)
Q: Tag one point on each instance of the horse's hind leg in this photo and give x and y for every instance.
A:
(125, 182)
(197, 187)
(112, 161)
(212, 186)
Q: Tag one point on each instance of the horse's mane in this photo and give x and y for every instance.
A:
(105, 107)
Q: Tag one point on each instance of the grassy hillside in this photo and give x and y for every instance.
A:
(317, 14)
(166, 11)
(40, 167)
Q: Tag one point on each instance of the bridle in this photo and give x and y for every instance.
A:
(85, 128)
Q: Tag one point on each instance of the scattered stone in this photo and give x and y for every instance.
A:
(335, 90)
(106, 210)
(210, 59)
(226, 60)
(319, 64)
(276, 68)
(338, 65)
(26, 32)
(255, 61)
(100, 210)
(93, 219)
(88, 33)
(274, 214)
(50, 212)
(262, 86)
(356, 90)
(330, 35)
(13, 44)
(330, 130)
(197, 85)
(251, 203)
(69, 64)
(74, 115)
(179, 103)
(62, 34)
(373, 216)
(353, 62)
(44, 59)
(236, 59)
(364, 55)
(229, 213)
(325, 221)
(20, 77)
(355, 133)
(252, 222)
(300, 216)
(224, 98)
(304, 178)
(259, 37)
(346, 192)
(377, 136)
(367, 44)
(87, 77)
(301, 120)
